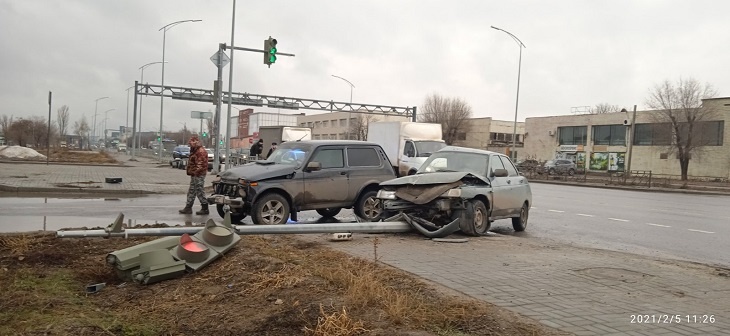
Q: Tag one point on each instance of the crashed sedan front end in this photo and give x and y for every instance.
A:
(436, 204)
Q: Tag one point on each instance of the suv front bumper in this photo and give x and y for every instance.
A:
(226, 200)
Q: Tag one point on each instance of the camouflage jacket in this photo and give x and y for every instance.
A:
(198, 161)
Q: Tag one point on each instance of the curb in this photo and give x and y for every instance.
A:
(76, 191)
(5, 188)
(121, 164)
(655, 190)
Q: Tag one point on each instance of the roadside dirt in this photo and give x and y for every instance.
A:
(267, 285)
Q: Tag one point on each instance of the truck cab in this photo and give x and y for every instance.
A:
(407, 144)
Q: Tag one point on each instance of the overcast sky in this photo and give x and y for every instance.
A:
(578, 53)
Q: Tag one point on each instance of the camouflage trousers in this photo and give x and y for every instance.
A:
(196, 189)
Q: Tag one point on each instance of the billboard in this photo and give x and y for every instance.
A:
(611, 161)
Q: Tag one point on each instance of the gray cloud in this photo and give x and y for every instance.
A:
(395, 52)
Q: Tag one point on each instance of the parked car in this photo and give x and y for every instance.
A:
(321, 175)
(527, 165)
(560, 167)
(459, 188)
(180, 155)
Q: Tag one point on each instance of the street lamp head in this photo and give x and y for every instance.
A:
(98, 99)
(170, 25)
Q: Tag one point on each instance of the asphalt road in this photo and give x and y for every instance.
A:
(679, 226)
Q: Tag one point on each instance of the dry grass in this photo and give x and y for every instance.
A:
(336, 324)
(17, 245)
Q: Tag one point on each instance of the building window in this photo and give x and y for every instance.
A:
(663, 156)
(653, 134)
(343, 122)
(705, 133)
(613, 135)
(325, 123)
(460, 136)
(572, 135)
(341, 136)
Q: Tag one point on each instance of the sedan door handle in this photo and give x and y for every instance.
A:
(343, 173)
(509, 181)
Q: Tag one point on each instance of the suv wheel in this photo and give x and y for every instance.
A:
(236, 217)
(571, 171)
(475, 219)
(520, 223)
(270, 209)
(328, 212)
(369, 207)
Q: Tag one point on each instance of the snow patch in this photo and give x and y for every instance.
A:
(18, 152)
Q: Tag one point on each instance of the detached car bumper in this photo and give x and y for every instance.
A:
(225, 200)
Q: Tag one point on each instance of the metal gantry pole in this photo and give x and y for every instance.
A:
(230, 92)
(219, 100)
(517, 101)
(48, 135)
(134, 122)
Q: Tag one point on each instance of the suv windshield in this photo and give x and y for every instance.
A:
(426, 148)
(291, 154)
(474, 163)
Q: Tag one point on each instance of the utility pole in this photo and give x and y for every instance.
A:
(48, 136)
(631, 144)
(230, 93)
(134, 122)
(218, 100)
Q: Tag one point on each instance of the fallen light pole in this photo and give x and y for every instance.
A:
(116, 229)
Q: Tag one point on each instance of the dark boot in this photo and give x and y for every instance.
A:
(187, 210)
(203, 210)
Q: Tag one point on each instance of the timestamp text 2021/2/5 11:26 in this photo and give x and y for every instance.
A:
(672, 318)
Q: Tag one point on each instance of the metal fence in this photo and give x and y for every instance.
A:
(639, 178)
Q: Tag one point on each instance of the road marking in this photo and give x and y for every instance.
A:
(584, 215)
(659, 225)
(556, 211)
(618, 219)
(699, 231)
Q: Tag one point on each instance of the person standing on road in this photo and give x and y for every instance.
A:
(257, 148)
(197, 169)
(271, 150)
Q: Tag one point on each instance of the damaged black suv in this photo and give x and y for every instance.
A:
(321, 175)
(459, 189)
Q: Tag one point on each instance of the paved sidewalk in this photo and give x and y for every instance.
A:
(579, 290)
(144, 176)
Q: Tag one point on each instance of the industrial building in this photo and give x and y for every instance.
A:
(600, 142)
(492, 135)
(334, 126)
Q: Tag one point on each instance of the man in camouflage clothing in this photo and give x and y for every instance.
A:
(196, 169)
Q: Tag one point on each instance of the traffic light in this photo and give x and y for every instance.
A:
(157, 265)
(205, 134)
(270, 51)
(129, 260)
(209, 244)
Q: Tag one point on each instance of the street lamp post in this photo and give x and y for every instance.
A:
(96, 106)
(105, 119)
(126, 123)
(348, 113)
(141, 81)
(162, 97)
(519, 70)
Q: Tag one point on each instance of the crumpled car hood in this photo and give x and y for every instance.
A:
(257, 172)
(431, 178)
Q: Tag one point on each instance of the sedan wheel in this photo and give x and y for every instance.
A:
(520, 223)
(271, 209)
(475, 219)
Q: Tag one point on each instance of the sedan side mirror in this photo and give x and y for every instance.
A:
(314, 166)
(501, 173)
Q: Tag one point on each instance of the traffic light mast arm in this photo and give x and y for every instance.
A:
(258, 50)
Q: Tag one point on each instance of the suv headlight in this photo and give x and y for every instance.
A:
(456, 192)
(386, 194)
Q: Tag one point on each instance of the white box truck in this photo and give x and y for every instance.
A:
(407, 144)
(280, 134)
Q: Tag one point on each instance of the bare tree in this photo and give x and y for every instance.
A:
(81, 128)
(62, 116)
(39, 132)
(604, 108)
(681, 109)
(5, 123)
(20, 132)
(359, 127)
(451, 113)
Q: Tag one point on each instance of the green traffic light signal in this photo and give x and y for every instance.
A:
(270, 51)
(205, 134)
